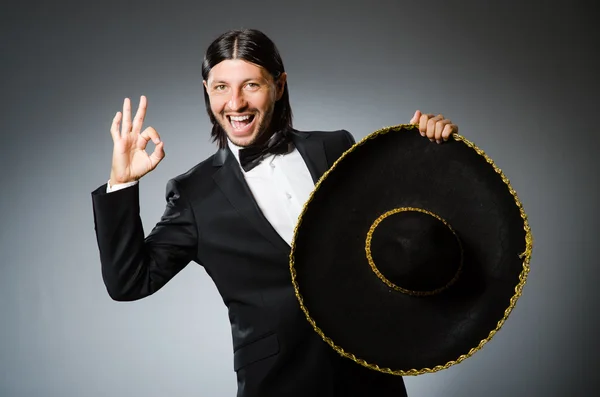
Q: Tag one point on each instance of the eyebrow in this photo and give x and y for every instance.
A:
(244, 81)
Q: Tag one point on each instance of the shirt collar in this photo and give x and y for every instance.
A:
(235, 149)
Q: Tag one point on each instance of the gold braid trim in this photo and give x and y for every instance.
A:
(526, 256)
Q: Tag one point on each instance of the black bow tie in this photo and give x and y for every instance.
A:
(251, 156)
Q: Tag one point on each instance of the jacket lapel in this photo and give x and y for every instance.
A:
(313, 153)
(231, 181)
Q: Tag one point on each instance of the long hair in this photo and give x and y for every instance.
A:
(252, 46)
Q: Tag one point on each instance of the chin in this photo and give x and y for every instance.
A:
(245, 140)
(242, 141)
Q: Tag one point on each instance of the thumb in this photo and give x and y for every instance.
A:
(416, 117)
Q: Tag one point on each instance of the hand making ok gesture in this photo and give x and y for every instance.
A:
(130, 161)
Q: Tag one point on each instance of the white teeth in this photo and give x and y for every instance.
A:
(239, 118)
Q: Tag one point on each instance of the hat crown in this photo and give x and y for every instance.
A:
(416, 251)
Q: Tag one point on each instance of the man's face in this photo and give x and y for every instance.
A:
(242, 98)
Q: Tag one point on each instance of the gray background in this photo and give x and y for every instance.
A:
(519, 79)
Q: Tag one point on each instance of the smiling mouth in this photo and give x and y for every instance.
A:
(239, 123)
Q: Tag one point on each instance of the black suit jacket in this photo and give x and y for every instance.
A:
(211, 218)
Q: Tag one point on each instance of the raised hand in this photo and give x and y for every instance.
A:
(436, 128)
(130, 161)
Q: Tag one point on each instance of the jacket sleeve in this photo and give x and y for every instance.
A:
(350, 139)
(134, 266)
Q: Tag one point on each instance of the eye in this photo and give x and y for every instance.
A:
(252, 86)
(219, 87)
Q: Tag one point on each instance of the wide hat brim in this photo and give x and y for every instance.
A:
(363, 318)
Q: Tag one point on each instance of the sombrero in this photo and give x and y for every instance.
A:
(409, 256)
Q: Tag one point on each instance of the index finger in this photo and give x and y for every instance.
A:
(138, 121)
(423, 122)
(126, 120)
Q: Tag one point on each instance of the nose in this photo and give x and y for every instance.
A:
(237, 101)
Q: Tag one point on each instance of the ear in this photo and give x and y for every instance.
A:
(205, 85)
(280, 84)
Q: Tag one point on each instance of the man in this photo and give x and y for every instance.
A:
(234, 213)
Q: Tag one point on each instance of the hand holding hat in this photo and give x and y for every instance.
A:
(436, 128)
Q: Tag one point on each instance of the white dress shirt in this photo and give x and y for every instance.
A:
(280, 185)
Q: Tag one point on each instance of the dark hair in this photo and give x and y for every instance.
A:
(252, 46)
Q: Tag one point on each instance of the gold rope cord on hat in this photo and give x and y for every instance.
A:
(388, 282)
(526, 256)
